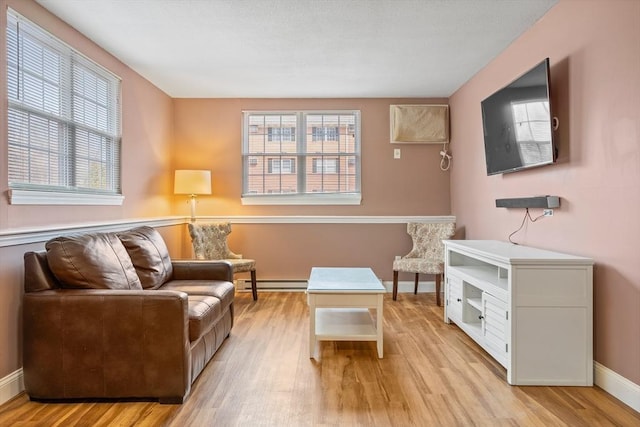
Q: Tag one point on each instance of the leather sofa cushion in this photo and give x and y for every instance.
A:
(204, 312)
(91, 261)
(149, 255)
(222, 290)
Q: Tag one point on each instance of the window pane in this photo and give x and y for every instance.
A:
(256, 134)
(92, 160)
(347, 134)
(63, 116)
(90, 99)
(326, 153)
(272, 124)
(34, 147)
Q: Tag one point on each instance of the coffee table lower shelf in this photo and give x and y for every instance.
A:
(345, 324)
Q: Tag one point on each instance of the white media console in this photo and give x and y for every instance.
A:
(530, 309)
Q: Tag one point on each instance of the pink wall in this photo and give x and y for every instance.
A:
(208, 136)
(146, 171)
(288, 251)
(146, 137)
(594, 50)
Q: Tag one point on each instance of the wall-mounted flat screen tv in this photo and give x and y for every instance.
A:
(517, 123)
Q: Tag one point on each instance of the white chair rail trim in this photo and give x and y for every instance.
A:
(326, 219)
(22, 236)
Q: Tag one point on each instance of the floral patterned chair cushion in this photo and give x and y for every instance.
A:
(210, 243)
(427, 255)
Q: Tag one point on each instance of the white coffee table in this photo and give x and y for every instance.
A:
(339, 301)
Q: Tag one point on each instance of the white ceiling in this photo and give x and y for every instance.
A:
(303, 48)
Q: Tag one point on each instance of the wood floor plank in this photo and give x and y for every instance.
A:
(432, 375)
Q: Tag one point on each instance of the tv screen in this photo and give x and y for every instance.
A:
(517, 123)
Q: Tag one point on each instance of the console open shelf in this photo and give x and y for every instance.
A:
(475, 303)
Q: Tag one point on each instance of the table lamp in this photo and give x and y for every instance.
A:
(192, 182)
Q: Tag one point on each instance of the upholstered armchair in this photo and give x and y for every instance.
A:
(427, 255)
(210, 243)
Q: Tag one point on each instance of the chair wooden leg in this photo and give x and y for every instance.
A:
(438, 276)
(395, 285)
(254, 285)
(415, 284)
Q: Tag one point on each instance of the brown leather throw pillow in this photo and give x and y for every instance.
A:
(91, 261)
(149, 255)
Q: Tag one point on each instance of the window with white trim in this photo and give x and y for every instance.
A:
(301, 157)
(63, 118)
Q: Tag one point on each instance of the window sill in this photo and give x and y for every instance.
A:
(304, 199)
(32, 197)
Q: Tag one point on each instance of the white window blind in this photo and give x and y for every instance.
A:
(301, 157)
(63, 116)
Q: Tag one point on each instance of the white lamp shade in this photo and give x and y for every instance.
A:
(192, 182)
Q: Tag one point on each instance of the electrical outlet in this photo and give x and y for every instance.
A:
(396, 153)
(547, 212)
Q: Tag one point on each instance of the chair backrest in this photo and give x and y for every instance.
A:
(427, 239)
(210, 240)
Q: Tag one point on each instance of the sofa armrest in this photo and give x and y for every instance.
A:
(106, 343)
(202, 270)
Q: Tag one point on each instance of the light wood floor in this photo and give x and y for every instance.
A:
(432, 374)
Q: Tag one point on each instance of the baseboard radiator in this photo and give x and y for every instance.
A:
(276, 285)
(301, 285)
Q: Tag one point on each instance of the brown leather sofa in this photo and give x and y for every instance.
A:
(110, 315)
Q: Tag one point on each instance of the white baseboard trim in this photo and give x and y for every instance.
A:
(11, 386)
(618, 386)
